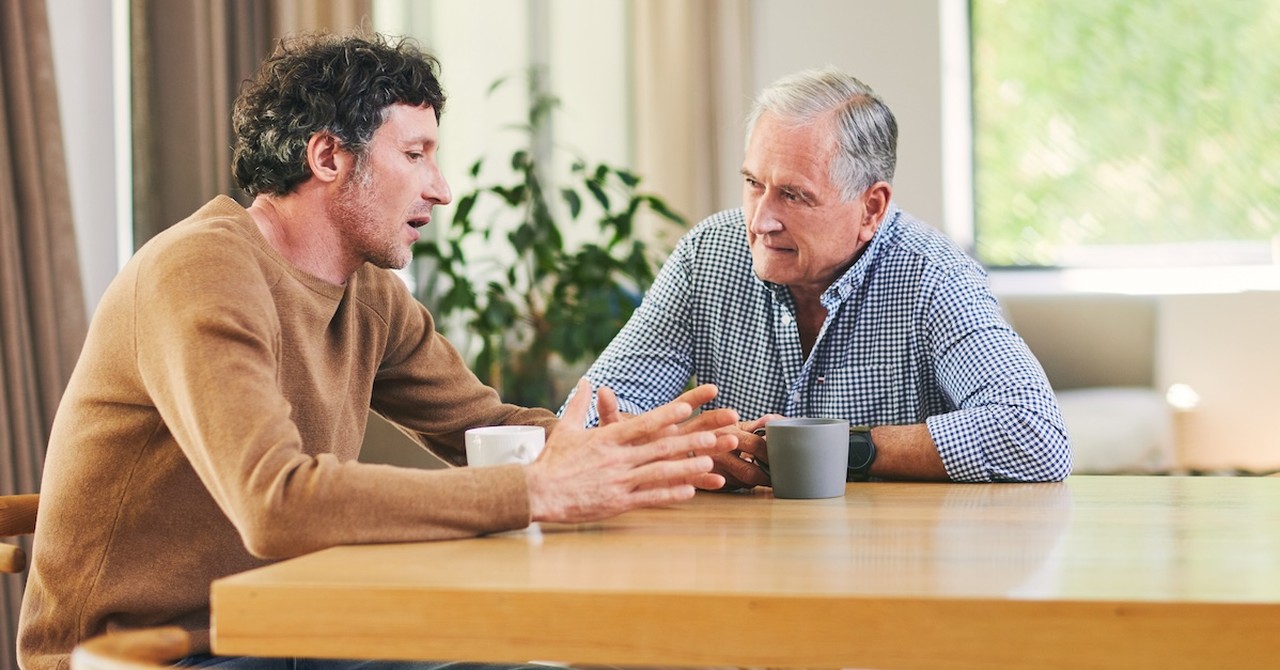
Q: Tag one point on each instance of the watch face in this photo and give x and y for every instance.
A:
(862, 453)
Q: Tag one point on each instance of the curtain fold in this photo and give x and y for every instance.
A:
(694, 58)
(42, 310)
(189, 58)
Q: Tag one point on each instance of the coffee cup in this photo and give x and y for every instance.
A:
(495, 445)
(808, 457)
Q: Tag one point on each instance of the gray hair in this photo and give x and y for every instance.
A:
(867, 137)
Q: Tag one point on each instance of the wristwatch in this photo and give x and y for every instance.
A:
(862, 453)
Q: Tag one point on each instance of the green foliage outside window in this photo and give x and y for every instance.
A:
(1127, 126)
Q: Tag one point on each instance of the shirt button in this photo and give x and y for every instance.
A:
(787, 319)
(795, 396)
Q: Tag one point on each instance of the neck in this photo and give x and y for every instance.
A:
(303, 235)
(810, 315)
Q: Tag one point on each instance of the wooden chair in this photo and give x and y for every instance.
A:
(17, 517)
(124, 650)
(141, 649)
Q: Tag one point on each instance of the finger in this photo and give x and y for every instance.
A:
(682, 447)
(711, 481)
(716, 419)
(740, 472)
(670, 473)
(684, 455)
(575, 411)
(645, 427)
(751, 443)
(657, 497)
(699, 395)
(607, 406)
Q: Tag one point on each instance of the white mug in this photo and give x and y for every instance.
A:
(495, 445)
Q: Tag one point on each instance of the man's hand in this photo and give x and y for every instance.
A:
(738, 468)
(655, 458)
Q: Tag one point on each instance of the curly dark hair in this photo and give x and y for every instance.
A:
(314, 82)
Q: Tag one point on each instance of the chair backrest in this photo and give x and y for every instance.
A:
(139, 649)
(17, 517)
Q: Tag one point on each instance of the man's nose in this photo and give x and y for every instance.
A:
(436, 188)
(763, 220)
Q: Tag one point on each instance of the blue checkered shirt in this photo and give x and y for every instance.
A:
(912, 334)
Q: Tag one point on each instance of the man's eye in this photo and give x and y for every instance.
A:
(414, 155)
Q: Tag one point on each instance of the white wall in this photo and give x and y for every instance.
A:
(893, 47)
(1224, 347)
(83, 55)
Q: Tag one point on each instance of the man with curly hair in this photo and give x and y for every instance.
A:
(213, 422)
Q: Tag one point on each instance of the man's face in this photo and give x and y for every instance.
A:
(802, 232)
(384, 200)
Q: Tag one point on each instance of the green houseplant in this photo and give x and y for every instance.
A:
(503, 267)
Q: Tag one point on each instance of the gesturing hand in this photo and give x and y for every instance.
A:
(655, 458)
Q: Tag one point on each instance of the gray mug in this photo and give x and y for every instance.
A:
(808, 458)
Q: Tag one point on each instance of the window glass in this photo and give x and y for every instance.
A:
(1126, 134)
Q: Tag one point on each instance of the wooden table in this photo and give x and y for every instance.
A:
(1095, 572)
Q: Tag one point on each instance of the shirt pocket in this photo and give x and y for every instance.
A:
(864, 394)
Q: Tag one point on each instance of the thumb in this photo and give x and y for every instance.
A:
(575, 411)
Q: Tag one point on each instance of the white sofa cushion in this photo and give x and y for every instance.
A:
(1119, 430)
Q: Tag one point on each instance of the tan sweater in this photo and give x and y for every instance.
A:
(213, 422)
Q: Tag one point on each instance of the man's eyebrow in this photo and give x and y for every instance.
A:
(805, 194)
(420, 140)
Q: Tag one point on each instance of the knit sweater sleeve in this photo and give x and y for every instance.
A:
(231, 385)
(423, 385)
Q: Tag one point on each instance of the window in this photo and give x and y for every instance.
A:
(1143, 133)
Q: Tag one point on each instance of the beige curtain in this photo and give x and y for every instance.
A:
(42, 311)
(691, 67)
(189, 59)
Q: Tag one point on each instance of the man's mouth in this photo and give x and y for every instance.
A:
(775, 247)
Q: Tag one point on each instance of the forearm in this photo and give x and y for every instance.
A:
(907, 452)
(316, 503)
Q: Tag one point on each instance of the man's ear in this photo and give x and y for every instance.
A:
(326, 156)
(875, 205)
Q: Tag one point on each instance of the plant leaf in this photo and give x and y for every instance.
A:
(660, 207)
(574, 201)
(463, 209)
(599, 194)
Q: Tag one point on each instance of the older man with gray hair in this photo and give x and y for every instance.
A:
(819, 297)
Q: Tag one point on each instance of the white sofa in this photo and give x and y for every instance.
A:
(1099, 354)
